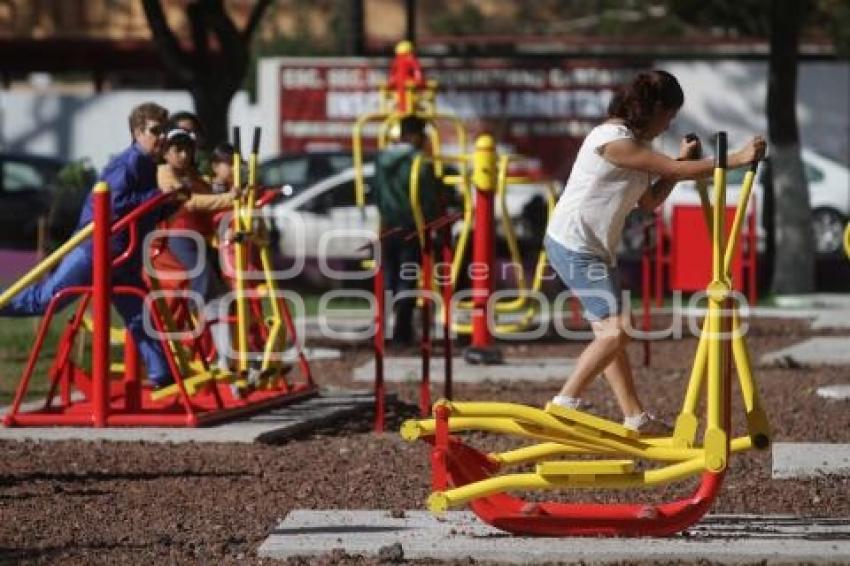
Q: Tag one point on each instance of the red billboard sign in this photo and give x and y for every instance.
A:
(537, 108)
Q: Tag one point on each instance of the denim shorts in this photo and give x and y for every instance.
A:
(594, 283)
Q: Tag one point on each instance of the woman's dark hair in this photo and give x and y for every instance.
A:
(636, 102)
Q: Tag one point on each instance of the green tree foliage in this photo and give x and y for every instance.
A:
(723, 17)
(834, 16)
(73, 184)
(465, 20)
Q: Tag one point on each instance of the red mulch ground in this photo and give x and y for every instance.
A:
(82, 503)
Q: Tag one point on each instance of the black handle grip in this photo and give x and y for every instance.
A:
(692, 137)
(720, 155)
(237, 144)
(255, 145)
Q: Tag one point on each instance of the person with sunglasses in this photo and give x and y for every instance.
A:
(131, 176)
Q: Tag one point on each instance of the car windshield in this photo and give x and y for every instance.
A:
(303, 170)
(23, 175)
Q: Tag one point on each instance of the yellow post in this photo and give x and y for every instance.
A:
(277, 334)
(415, 204)
(715, 440)
(687, 422)
(740, 214)
(757, 424)
(484, 164)
(239, 249)
(46, 264)
(357, 155)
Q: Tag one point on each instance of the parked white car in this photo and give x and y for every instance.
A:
(324, 220)
(829, 196)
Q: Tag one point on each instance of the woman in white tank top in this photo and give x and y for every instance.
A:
(616, 169)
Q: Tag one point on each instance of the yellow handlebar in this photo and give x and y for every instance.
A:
(46, 264)
(740, 214)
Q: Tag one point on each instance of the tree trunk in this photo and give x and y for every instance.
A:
(212, 107)
(358, 28)
(794, 268)
(212, 78)
(410, 24)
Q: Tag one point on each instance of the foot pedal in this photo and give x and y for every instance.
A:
(192, 384)
(591, 421)
(586, 468)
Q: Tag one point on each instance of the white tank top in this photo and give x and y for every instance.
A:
(592, 210)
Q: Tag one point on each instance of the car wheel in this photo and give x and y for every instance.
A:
(828, 229)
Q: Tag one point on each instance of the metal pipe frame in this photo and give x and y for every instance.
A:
(462, 475)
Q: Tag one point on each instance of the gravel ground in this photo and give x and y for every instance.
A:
(82, 503)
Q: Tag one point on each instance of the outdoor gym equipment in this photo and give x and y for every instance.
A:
(461, 474)
(423, 236)
(676, 255)
(483, 254)
(677, 249)
(483, 174)
(490, 179)
(405, 93)
(263, 321)
(112, 394)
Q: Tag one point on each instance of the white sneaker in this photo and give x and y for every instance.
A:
(648, 424)
(568, 402)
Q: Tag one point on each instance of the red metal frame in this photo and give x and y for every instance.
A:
(482, 254)
(664, 257)
(455, 463)
(443, 223)
(380, 319)
(107, 402)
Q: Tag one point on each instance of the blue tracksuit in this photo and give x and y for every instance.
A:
(131, 177)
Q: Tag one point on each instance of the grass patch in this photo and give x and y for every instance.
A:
(17, 336)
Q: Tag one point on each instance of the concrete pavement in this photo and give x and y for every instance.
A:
(401, 369)
(830, 350)
(269, 426)
(793, 460)
(418, 535)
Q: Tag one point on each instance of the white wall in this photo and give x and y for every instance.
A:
(73, 126)
(732, 96)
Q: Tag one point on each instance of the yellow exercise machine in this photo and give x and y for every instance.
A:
(262, 316)
(520, 303)
(608, 451)
(405, 93)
